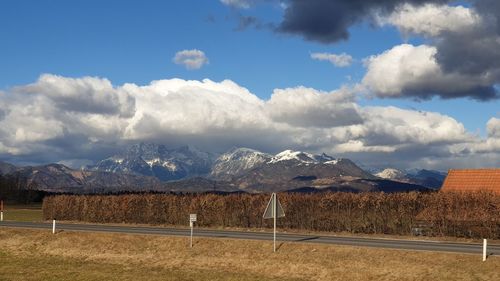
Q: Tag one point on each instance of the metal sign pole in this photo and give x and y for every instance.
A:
(273, 211)
(274, 215)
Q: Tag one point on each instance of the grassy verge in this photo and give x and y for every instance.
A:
(38, 255)
(23, 213)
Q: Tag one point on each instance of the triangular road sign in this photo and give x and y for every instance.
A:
(270, 209)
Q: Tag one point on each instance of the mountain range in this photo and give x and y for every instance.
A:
(427, 178)
(158, 161)
(154, 167)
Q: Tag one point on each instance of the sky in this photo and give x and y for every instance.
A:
(387, 83)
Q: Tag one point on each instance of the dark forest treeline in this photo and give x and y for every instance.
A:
(13, 188)
(474, 215)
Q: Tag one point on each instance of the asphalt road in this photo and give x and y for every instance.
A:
(419, 245)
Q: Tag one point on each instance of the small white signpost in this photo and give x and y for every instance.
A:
(54, 226)
(1, 210)
(485, 252)
(192, 220)
(274, 211)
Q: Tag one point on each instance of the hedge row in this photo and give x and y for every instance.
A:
(475, 215)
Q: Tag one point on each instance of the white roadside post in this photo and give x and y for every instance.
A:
(485, 245)
(274, 211)
(1, 210)
(192, 220)
(54, 226)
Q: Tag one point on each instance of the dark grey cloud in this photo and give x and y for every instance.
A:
(328, 21)
(81, 95)
(462, 46)
(475, 52)
(490, 9)
(457, 60)
(471, 53)
(467, 59)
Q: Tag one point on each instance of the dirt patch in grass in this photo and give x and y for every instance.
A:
(39, 255)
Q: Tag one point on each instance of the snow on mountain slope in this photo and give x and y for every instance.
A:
(427, 178)
(301, 157)
(241, 161)
(158, 161)
(237, 161)
(241, 166)
(392, 174)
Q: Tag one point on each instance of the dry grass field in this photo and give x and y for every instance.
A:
(39, 255)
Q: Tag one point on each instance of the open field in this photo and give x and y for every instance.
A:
(38, 255)
(23, 212)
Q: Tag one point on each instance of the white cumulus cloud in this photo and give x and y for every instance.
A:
(41, 122)
(245, 4)
(460, 57)
(191, 59)
(58, 116)
(413, 71)
(87, 94)
(432, 19)
(493, 127)
(340, 60)
(308, 107)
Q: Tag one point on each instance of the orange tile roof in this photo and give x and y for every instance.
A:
(472, 180)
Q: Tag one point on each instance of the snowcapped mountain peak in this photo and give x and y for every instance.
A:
(391, 173)
(238, 163)
(289, 155)
(302, 157)
(242, 152)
